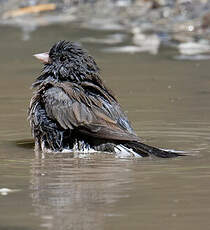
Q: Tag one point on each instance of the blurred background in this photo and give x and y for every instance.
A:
(155, 56)
(181, 24)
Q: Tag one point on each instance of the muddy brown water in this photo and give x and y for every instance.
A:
(168, 103)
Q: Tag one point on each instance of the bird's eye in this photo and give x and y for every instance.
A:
(62, 58)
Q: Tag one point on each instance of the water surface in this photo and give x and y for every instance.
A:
(167, 101)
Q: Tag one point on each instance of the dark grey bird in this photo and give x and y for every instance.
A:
(73, 110)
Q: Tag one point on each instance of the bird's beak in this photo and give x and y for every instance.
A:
(43, 57)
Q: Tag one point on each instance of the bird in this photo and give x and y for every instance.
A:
(73, 110)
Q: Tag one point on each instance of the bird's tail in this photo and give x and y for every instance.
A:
(146, 150)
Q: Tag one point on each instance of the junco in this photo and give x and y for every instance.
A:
(73, 110)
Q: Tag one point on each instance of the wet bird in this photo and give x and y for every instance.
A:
(73, 110)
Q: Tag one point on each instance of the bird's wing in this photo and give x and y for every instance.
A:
(88, 109)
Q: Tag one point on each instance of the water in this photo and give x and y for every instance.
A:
(167, 101)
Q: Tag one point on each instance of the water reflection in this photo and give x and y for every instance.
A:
(69, 192)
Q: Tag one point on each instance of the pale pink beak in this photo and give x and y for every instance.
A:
(43, 57)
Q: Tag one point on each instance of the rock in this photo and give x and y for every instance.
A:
(193, 48)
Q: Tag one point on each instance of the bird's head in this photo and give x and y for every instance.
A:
(67, 61)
